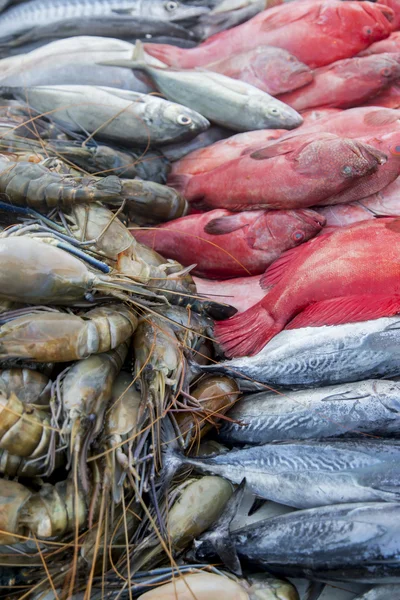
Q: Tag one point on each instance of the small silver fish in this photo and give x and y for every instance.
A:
(225, 101)
(317, 356)
(125, 117)
(351, 410)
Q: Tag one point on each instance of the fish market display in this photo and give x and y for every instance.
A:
(199, 299)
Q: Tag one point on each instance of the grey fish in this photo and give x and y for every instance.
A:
(225, 101)
(381, 592)
(227, 14)
(120, 116)
(317, 356)
(73, 61)
(307, 474)
(346, 542)
(62, 18)
(175, 152)
(369, 407)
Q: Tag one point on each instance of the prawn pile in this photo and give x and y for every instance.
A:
(199, 299)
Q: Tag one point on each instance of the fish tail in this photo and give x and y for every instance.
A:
(247, 333)
(170, 55)
(172, 456)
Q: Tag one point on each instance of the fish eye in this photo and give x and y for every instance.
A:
(367, 30)
(347, 170)
(395, 150)
(386, 72)
(274, 111)
(298, 236)
(171, 5)
(184, 120)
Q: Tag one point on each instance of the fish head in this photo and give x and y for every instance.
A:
(285, 228)
(179, 122)
(282, 71)
(337, 159)
(179, 10)
(277, 114)
(373, 23)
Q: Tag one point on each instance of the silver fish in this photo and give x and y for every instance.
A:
(369, 407)
(225, 101)
(72, 62)
(346, 542)
(317, 356)
(60, 18)
(381, 592)
(308, 474)
(125, 117)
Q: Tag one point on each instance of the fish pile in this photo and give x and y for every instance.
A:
(199, 299)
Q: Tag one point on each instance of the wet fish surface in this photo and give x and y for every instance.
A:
(310, 474)
(346, 542)
(118, 115)
(317, 356)
(62, 18)
(369, 407)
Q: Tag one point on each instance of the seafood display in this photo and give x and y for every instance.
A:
(199, 299)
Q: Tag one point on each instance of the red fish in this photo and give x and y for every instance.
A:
(273, 70)
(315, 114)
(355, 122)
(395, 6)
(207, 159)
(346, 276)
(390, 44)
(302, 171)
(390, 98)
(375, 182)
(224, 244)
(342, 215)
(241, 293)
(317, 32)
(346, 83)
(385, 203)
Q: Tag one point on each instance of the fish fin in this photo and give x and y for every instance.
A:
(294, 142)
(278, 269)
(314, 590)
(224, 225)
(347, 309)
(281, 18)
(383, 116)
(272, 150)
(137, 60)
(247, 333)
(257, 504)
(179, 182)
(219, 536)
